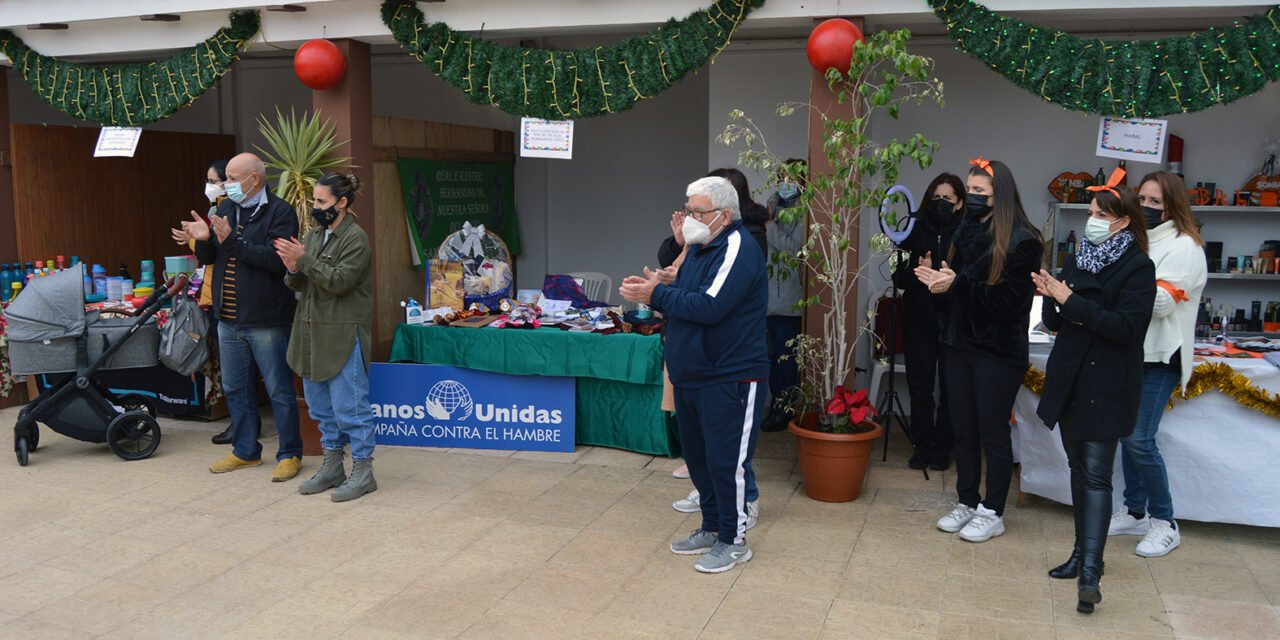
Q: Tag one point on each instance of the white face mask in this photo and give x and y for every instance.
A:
(695, 232)
(213, 191)
(1097, 230)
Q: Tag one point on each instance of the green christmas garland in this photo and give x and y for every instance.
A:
(131, 94)
(1141, 78)
(558, 85)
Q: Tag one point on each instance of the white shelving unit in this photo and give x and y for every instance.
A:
(1241, 230)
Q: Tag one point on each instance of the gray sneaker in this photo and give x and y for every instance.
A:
(723, 557)
(697, 543)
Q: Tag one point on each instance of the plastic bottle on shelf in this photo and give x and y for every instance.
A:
(115, 288)
(148, 273)
(40, 268)
(6, 279)
(88, 283)
(1125, 179)
(1100, 178)
(1071, 242)
(75, 260)
(31, 269)
(99, 280)
(62, 263)
(15, 289)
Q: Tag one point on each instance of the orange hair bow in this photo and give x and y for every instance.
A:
(984, 165)
(1112, 183)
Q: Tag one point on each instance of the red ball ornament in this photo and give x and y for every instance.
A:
(831, 44)
(319, 64)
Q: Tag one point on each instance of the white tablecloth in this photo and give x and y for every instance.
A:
(1223, 459)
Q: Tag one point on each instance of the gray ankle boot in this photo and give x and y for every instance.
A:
(359, 483)
(330, 475)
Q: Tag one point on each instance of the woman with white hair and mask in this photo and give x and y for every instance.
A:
(715, 332)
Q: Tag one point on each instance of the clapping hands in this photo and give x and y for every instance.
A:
(1051, 287)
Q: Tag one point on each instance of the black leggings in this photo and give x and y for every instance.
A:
(1091, 463)
(980, 392)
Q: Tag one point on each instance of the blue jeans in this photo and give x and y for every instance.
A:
(245, 350)
(341, 406)
(1146, 483)
(783, 374)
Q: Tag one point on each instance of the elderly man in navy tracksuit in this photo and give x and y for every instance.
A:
(715, 309)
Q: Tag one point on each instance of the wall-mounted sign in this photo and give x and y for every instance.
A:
(117, 142)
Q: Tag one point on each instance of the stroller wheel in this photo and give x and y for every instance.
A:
(33, 439)
(20, 447)
(134, 435)
(138, 403)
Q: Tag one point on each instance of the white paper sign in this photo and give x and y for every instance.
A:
(117, 142)
(553, 307)
(546, 138)
(1135, 140)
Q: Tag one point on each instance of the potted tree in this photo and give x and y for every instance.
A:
(301, 149)
(833, 425)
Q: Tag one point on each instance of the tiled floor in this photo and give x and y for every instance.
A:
(562, 546)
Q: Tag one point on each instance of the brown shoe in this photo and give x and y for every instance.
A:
(286, 469)
(231, 463)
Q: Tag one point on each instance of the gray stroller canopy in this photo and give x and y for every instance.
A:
(49, 308)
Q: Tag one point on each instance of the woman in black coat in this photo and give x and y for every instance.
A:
(1093, 381)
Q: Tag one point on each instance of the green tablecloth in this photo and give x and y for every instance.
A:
(619, 394)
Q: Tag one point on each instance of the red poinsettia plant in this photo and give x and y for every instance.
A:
(847, 410)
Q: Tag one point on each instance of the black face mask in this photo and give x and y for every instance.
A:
(975, 204)
(1155, 217)
(940, 213)
(324, 217)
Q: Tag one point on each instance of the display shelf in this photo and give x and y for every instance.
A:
(1194, 209)
(1245, 276)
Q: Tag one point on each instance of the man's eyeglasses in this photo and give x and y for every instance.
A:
(698, 214)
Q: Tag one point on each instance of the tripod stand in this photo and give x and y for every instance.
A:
(890, 408)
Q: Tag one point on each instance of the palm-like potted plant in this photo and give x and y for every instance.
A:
(834, 443)
(301, 150)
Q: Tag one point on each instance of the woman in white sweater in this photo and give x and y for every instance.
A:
(1176, 249)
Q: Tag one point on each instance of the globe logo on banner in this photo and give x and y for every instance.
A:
(447, 398)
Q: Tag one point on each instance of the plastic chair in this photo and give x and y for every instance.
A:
(598, 286)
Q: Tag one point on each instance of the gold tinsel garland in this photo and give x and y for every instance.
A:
(1206, 376)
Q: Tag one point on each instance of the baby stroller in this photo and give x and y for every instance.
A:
(49, 332)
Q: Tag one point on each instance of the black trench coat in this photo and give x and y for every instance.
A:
(1095, 372)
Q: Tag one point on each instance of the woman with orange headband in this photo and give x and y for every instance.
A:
(1093, 381)
(986, 288)
(1176, 249)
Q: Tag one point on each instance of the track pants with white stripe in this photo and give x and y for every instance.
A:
(719, 425)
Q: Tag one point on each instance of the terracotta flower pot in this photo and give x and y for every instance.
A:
(308, 427)
(833, 465)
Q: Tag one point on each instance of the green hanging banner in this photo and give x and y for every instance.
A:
(560, 85)
(1138, 78)
(131, 95)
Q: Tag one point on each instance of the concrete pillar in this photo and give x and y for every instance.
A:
(349, 106)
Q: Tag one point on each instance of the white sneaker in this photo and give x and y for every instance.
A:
(681, 472)
(1124, 524)
(984, 526)
(1160, 540)
(689, 504)
(957, 519)
(753, 514)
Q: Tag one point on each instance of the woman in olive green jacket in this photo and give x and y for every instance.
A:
(330, 344)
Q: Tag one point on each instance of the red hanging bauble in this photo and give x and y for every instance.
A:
(831, 44)
(319, 64)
